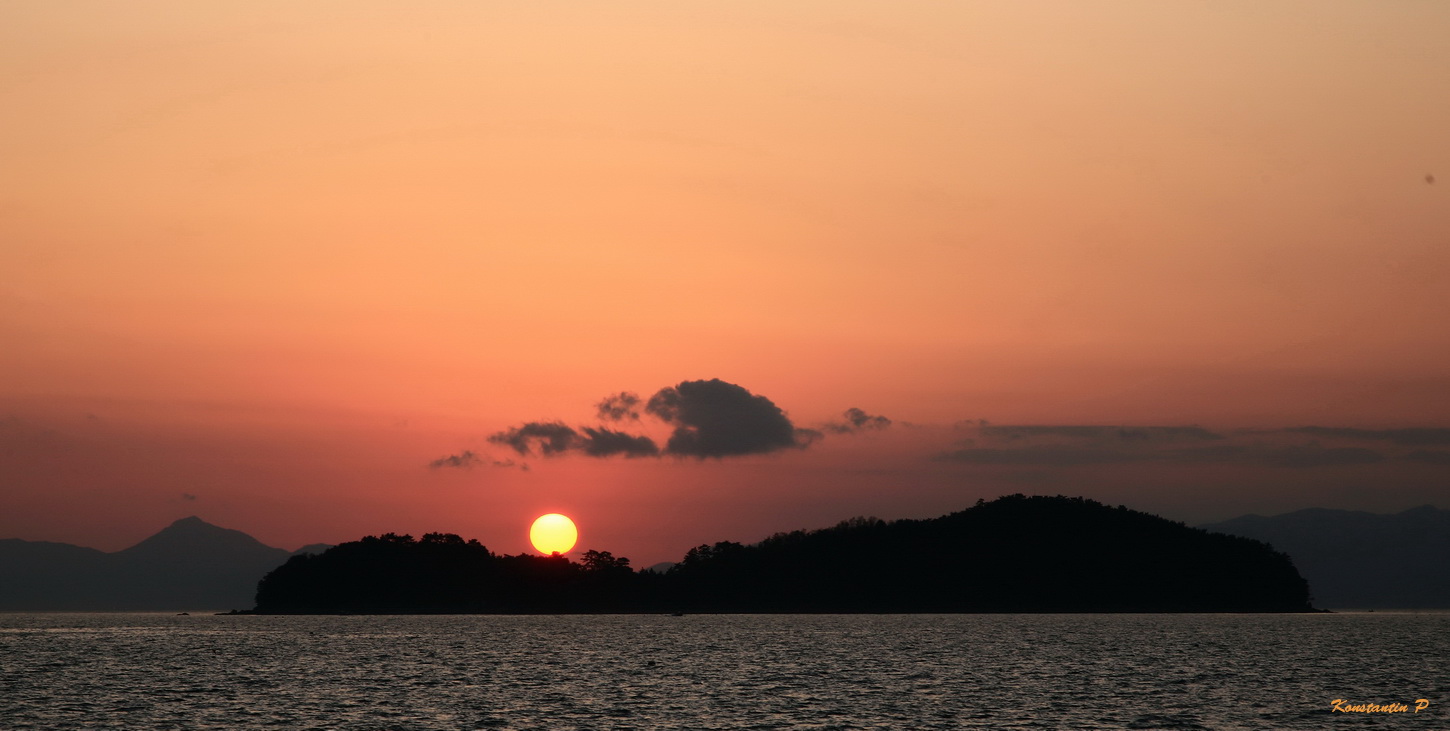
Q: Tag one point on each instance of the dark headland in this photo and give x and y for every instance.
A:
(1014, 554)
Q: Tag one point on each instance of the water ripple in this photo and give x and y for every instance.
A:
(714, 672)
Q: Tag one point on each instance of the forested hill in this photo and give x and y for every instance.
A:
(1014, 554)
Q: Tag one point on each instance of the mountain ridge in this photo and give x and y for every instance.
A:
(190, 564)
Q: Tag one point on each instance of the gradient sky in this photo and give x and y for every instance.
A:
(265, 262)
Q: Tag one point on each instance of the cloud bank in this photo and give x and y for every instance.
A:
(1421, 437)
(1070, 445)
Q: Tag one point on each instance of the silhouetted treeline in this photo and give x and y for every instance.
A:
(1014, 554)
(444, 573)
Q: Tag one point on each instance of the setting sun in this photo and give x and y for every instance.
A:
(553, 533)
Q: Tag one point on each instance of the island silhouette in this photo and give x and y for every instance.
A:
(1013, 554)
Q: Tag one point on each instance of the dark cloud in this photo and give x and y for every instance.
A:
(718, 419)
(857, 420)
(710, 419)
(603, 442)
(467, 459)
(553, 438)
(1430, 456)
(621, 406)
(462, 459)
(1420, 437)
(548, 437)
(187, 496)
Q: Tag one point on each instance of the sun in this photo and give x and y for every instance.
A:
(553, 533)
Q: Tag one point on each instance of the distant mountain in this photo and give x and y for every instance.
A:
(1014, 554)
(1358, 560)
(45, 575)
(190, 564)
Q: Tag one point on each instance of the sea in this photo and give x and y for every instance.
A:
(1042, 671)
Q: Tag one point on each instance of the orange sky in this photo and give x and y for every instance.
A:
(278, 256)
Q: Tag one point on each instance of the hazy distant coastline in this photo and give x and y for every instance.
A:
(1359, 560)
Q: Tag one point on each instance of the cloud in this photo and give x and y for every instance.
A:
(806, 437)
(1315, 456)
(463, 459)
(857, 420)
(187, 496)
(1060, 445)
(711, 418)
(1102, 433)
(1298, 456)
(1420, 437)
(553, 438)
(1302, 456)
(1042, 454)
(619, 407)
(548, 437)
(603, 442)
(468, 459)
(1078, 444)
(1430, 456)
(719, 419)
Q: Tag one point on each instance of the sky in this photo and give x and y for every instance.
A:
(324, 269)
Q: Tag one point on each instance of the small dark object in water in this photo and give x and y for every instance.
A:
(184, 614)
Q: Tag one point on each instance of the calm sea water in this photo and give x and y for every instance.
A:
(74, 671)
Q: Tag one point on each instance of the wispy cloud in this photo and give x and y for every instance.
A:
(1067, 445)
(1125, 434)
(1429, 456)
(855, 420)
(1415, 437)
(547, 438)
(468, 459)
